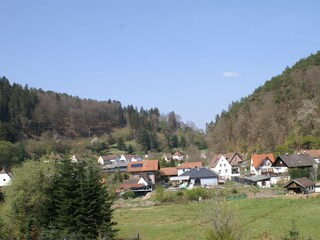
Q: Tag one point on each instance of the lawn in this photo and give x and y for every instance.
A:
(186, 221)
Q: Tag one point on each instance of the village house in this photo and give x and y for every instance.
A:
(300, 185)
(146, 169)
(167, 157)
(136, 185)
(168, 172)
(302, 161)
(315, 154)
(183, 167)
(178, 156)
(259, 181)
(235, 161)
(197, 177)
(125, 158)
(74, 159)
(261, 164)
(221, 166)
(109, 159)
(5, 178)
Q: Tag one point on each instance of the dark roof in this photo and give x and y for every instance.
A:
(258, 178)
(200, 173)
(303, 182)
(296, 160)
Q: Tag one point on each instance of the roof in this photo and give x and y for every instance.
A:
(177, 154)
(215, 160)
(169, 171)
(296, 160)
(110, 157)
(131, 184)
(4, 171)
(258, 178)
(167, 155)
(190, 165)
(143, 166)
(257, 159)
(303, 182)
(312, 153)
(199, 173)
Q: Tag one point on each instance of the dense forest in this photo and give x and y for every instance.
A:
(34, 122)
(282, 116)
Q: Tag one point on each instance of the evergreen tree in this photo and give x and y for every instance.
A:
(80, 203)
(183, 142)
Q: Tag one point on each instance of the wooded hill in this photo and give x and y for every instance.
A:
(283, 115)
(28, 113)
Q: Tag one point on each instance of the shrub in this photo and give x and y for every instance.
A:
(129, 194)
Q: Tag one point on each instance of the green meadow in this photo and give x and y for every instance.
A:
(190, 220)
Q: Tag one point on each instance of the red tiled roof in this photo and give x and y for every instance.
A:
(143, 166)
(215, 160)
(257, 159)
(169, 171)
(312, 153)
(190, 165)
(177, 154)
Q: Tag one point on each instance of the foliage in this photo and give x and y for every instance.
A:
(284, 114)
(57, 201)
(293, 233)
(298, 173)
(26, 199)
(159, 193)
(128, 194)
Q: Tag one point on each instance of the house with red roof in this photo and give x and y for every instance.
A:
(186, 166)
(146, 169)
(315, 154)
(178, 156)
(261, 164)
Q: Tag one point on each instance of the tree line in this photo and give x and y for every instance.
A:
(280, 116)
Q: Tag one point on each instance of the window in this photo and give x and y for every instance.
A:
(220, 165)
(226, 171)
(225, 165)
(219, 171)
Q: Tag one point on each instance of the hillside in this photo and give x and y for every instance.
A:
(283, 115)
(36, 122)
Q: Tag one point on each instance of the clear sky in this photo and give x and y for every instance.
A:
(193, 57)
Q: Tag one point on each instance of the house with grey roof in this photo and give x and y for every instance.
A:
(198, 177)
(300, 185)
(284, 162)
(259, 181)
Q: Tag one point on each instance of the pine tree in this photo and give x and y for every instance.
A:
(80, 204)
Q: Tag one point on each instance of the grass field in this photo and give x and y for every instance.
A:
(186, 221)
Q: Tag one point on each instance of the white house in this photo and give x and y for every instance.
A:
(220, 165)
(197, 177)
(74, 159)
(5, 178)
(110, 159)
(177, 156)
(261, 164)
(130, 158)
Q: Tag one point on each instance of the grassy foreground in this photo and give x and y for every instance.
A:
(187, 221)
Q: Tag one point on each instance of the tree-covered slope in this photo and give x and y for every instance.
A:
(281, 115)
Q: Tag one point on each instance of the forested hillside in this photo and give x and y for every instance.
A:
(283, 115)
(34, 122)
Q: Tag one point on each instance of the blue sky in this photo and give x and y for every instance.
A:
(193, 57)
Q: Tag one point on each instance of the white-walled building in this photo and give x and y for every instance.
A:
(221, 166)
(5, 178)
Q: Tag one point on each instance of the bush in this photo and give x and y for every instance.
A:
(160, 193)
(128, 194)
